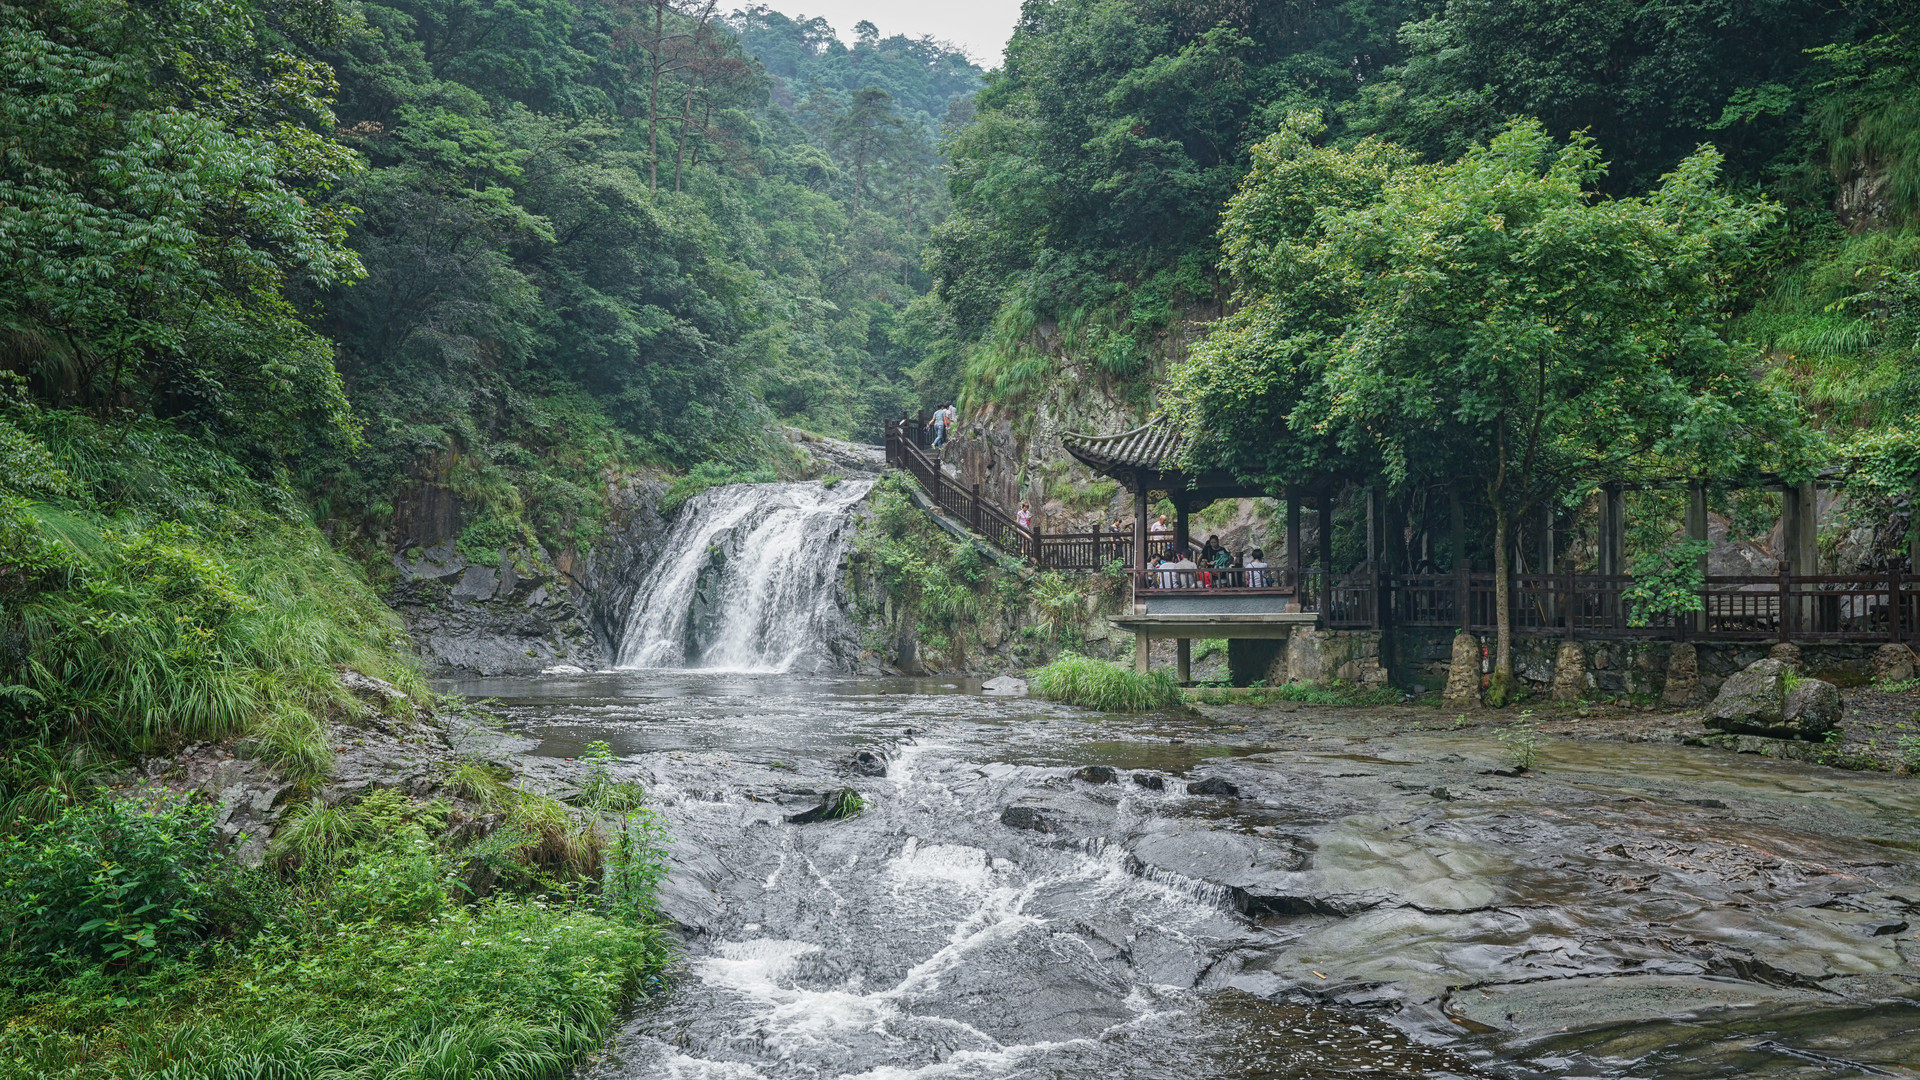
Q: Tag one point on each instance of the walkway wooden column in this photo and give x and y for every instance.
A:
(1913, 527)
(1375, 522)
(1183, 647)
(1547, 555)
(1139, 528)
(1613, 533)
(1457, 507)
(1325, 594)
(1293, 544)
(1800, 524)
(1697, 530)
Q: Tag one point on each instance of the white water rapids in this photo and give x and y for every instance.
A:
(745, 581)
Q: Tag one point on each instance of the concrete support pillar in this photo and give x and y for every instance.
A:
(1183, 660)
(1141, 645)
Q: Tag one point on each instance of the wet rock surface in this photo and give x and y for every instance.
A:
(1767, 699)
(518, 613)
(1375, 902)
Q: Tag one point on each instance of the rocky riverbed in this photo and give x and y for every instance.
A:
(1275, 891)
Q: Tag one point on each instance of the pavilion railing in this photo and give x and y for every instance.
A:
(1785, 606)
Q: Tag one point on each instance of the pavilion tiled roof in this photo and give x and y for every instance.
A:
(1153, 446)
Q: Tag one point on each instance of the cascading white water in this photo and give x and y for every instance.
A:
(746, 580)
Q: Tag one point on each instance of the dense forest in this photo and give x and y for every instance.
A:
(1089, 186)
(263, 266)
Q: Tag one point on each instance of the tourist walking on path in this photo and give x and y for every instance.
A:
(949, 419)
(1025, 517)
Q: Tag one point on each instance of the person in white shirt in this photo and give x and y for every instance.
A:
(1025, 517)
(1184, 579)
(1257, 570)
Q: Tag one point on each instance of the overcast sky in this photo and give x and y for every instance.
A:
(981, 27)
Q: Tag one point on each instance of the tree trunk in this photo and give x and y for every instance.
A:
(653, 98)
(686, 135)
(1502, 684)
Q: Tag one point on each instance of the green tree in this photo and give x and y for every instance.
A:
(1492, 320)
(165, 182)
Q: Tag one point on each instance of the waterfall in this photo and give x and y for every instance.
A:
(747, 579)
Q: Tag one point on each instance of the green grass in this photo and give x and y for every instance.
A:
(1097, 684)
(1335, 693)
(374, 945)
(154, 593)
(513, 989)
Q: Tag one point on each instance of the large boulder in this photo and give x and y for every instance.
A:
(1683, 676)
(1766, 698)
(1570, 672)
(1893, 663)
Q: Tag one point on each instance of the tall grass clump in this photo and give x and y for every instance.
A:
(1097, 684)
(153, 593)
(133, 946)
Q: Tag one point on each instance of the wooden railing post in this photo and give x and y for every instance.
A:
(1465, 601)
(1893, 604)
(1786, 601)
(1567, 601)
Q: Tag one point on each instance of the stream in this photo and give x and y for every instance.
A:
(1378, 900)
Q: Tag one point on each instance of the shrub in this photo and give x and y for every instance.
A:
(601, 793)
(121, 882)
(710, 474)
(1907, 749)
(1521, 740)
(1097, 684)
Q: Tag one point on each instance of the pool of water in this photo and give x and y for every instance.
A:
(1371, 903)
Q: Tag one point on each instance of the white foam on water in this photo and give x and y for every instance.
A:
(766, 556)
(950, 866)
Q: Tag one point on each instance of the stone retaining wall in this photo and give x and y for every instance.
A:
(1420, 660)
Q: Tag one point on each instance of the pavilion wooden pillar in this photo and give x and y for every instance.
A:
(1325, 593)
(1913, 526)
(1141, 643)
(1462, 565)
(1293, 545)
(1613, 533)
(1800, 524)
(1697, 530)
(1376, 549)
(1183, 647)
(1547, 555)
(1457, 508)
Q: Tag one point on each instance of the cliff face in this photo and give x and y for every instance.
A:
(521, 609)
